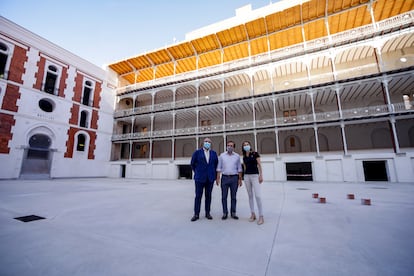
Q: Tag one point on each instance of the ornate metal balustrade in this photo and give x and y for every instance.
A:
(347, 114)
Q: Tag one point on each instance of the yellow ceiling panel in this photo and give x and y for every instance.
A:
(164, 70)
(258, 46)
(182, 50)
(121, 67)
(232, 36)
(273, 23)
(407, 6)
(315, 29)
(313, 9)
(256, 28)
(139, 62)
(290, 17)
(209, 59)
(345, 21)
(285, 38)
(235, 52)
(129, 77)
(185, 65)
(158, 57)
(205, 44)
(335, 5)
(145, 75)
(337, 22)
(385, 9)
(361, 17)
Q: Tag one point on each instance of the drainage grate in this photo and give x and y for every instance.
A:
(302, 189)
(29, 218)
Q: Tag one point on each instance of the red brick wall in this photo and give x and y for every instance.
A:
(17, 64)
(77, 95)
(40, 73)
(97, 95)
(70, 142)
(10, 98)
(92, 145)
(6, 123)
(62, 85)
(94, 119)
(74, 118)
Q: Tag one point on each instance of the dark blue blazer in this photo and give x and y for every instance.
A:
(204, 171)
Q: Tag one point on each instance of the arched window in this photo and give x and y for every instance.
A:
(4, 55)
(83, 119)
(87, 95)
(292, 141)
(51, 78)
(80, 146)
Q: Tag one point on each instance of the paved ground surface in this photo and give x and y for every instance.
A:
(142, 227)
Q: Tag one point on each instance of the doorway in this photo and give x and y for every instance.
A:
(375, 170)
(185, 172)
(37, 158)
(299, 171)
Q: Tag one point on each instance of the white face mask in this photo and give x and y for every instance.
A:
(229, 149)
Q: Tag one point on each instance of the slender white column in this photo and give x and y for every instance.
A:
(315, 129)
(277, 143)
(395, 135)
(130, 150)
(152, 130)
(173, 139)
(254, 116)
(344, 139)
(338, 100)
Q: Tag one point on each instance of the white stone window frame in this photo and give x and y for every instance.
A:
(3, 86)
(75, 144)
(9, 52)
(88, 118)
(58, 73)
(92, 93)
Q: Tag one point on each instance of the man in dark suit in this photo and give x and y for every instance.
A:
(204, 164)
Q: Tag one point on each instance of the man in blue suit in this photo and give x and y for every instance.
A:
(204, 164)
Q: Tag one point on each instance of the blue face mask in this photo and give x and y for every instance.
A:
(246, 148)
(207, 145)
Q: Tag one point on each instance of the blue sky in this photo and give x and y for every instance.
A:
(106, 31)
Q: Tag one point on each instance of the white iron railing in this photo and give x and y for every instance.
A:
(354, 113)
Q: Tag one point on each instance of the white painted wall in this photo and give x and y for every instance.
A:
(326, 168)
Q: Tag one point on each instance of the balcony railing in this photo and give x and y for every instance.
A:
(365, 112)
(347, 114)
(210, 99)
(163, 106)
(335, 39)
(239, 126)
(185, 103)
(211, 129)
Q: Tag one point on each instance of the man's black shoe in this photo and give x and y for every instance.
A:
(208, 216)
(224, 216)
(194, 218)
(234, 216)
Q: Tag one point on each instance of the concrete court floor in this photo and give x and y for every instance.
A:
(102, 226)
